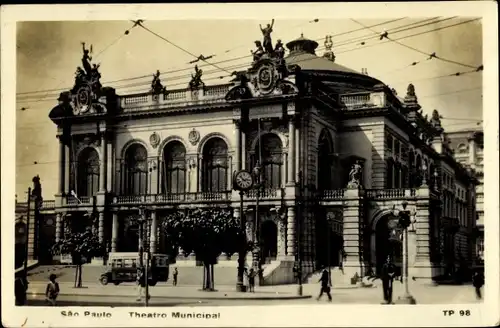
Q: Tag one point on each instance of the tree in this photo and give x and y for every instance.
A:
(79, 245)
(207, 232)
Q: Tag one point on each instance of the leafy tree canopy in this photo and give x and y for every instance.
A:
(78, 244)
(207, 232)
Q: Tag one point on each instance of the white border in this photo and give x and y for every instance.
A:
(485, 314)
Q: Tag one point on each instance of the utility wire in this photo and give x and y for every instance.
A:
(431, 55)
(179, 47)
(345, 42)
(429, 31)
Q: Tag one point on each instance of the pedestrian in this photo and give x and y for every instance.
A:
(174, 275)
(388, 272)
(325, 285)
(478, 282)
(20, 288)
(251, 280)
(52, 290)
(141, 285)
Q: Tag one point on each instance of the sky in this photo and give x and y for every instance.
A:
(49, 52)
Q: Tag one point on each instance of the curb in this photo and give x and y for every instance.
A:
(230, 298)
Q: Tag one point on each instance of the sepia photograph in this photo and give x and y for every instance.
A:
(184, 169)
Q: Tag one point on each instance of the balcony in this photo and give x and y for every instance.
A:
(381, 194)
(266, 194)
(80, 201)
(48, 205)
(159, 199)
(335, 194)
(174, 98)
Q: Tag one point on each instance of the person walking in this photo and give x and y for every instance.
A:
(20, 288)
(325, 285)
(388, 272)
(141, 285)
(52, 290)
(478, 282)
(174, 275)
(251, 280)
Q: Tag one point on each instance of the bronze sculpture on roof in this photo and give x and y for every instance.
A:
(266, 32)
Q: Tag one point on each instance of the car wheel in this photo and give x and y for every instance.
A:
(116, 283)
(152, 282)
(104, 280)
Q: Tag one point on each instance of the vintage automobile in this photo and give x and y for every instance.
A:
(122, 267)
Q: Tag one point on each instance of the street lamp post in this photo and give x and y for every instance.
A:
(240, 287)
(405, 219)
(142, 220)
(256, 172)
(299, 214)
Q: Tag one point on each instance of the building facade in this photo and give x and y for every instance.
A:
(338, 151)
(468, 149)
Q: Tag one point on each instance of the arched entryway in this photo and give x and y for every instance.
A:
(130, 240)
(386, 246)
(329, 240)
(269, 232)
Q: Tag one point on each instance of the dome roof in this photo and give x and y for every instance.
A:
(302, 53)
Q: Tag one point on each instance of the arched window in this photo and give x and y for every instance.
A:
(215, 165)
(397, 175)
(88, 173)
(272, 160)
(411, 164)
(390, 174)
(136, 168)
(325, 162)
(417, 172)
(388, 143)
(396, 149)
(404, 176)
(174, 168)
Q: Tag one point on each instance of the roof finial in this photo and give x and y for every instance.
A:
(328, 48)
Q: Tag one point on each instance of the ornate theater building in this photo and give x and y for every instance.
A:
(338, 152)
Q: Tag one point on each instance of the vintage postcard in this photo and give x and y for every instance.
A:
(301, 164)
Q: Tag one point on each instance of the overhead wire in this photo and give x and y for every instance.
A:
(344, 42)
(235, 66)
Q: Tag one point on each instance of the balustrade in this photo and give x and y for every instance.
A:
(390, 193)
(140, 102)
(332, 194)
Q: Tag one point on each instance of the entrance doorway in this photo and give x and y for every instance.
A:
(270, 241)
(386, 247)
(329, 244)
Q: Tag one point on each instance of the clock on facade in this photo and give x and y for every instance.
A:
(243, 180)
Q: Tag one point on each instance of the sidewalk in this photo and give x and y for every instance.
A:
(179, 292)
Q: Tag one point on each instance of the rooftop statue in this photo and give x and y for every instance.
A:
(279, 50)
(436, 120)
(196, 81)
(86, 59)
(257, 54)
(266, 32)
(411, 90)
(156, 85)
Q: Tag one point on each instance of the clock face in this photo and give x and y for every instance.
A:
(243, 180)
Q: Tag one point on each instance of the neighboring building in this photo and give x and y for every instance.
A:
(468, 147)
(338, 151)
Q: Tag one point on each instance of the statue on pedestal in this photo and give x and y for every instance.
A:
(196, 81)
(257, 54)
(156, 85)
(266, 32)
(355, 176)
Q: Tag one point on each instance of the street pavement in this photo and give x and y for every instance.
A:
(163, 295)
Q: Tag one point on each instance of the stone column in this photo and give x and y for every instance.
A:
(291, 152)
(237, 157)
(62, 165)
(422, 268)
(153, 233)
(472, 152)
(353, 212)
(114, 234)
(103, 164)
(101, 227)
(243, 150)
(58, 227)
(67, 167)
(290, 242)
(281, 236)
(109, 167)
